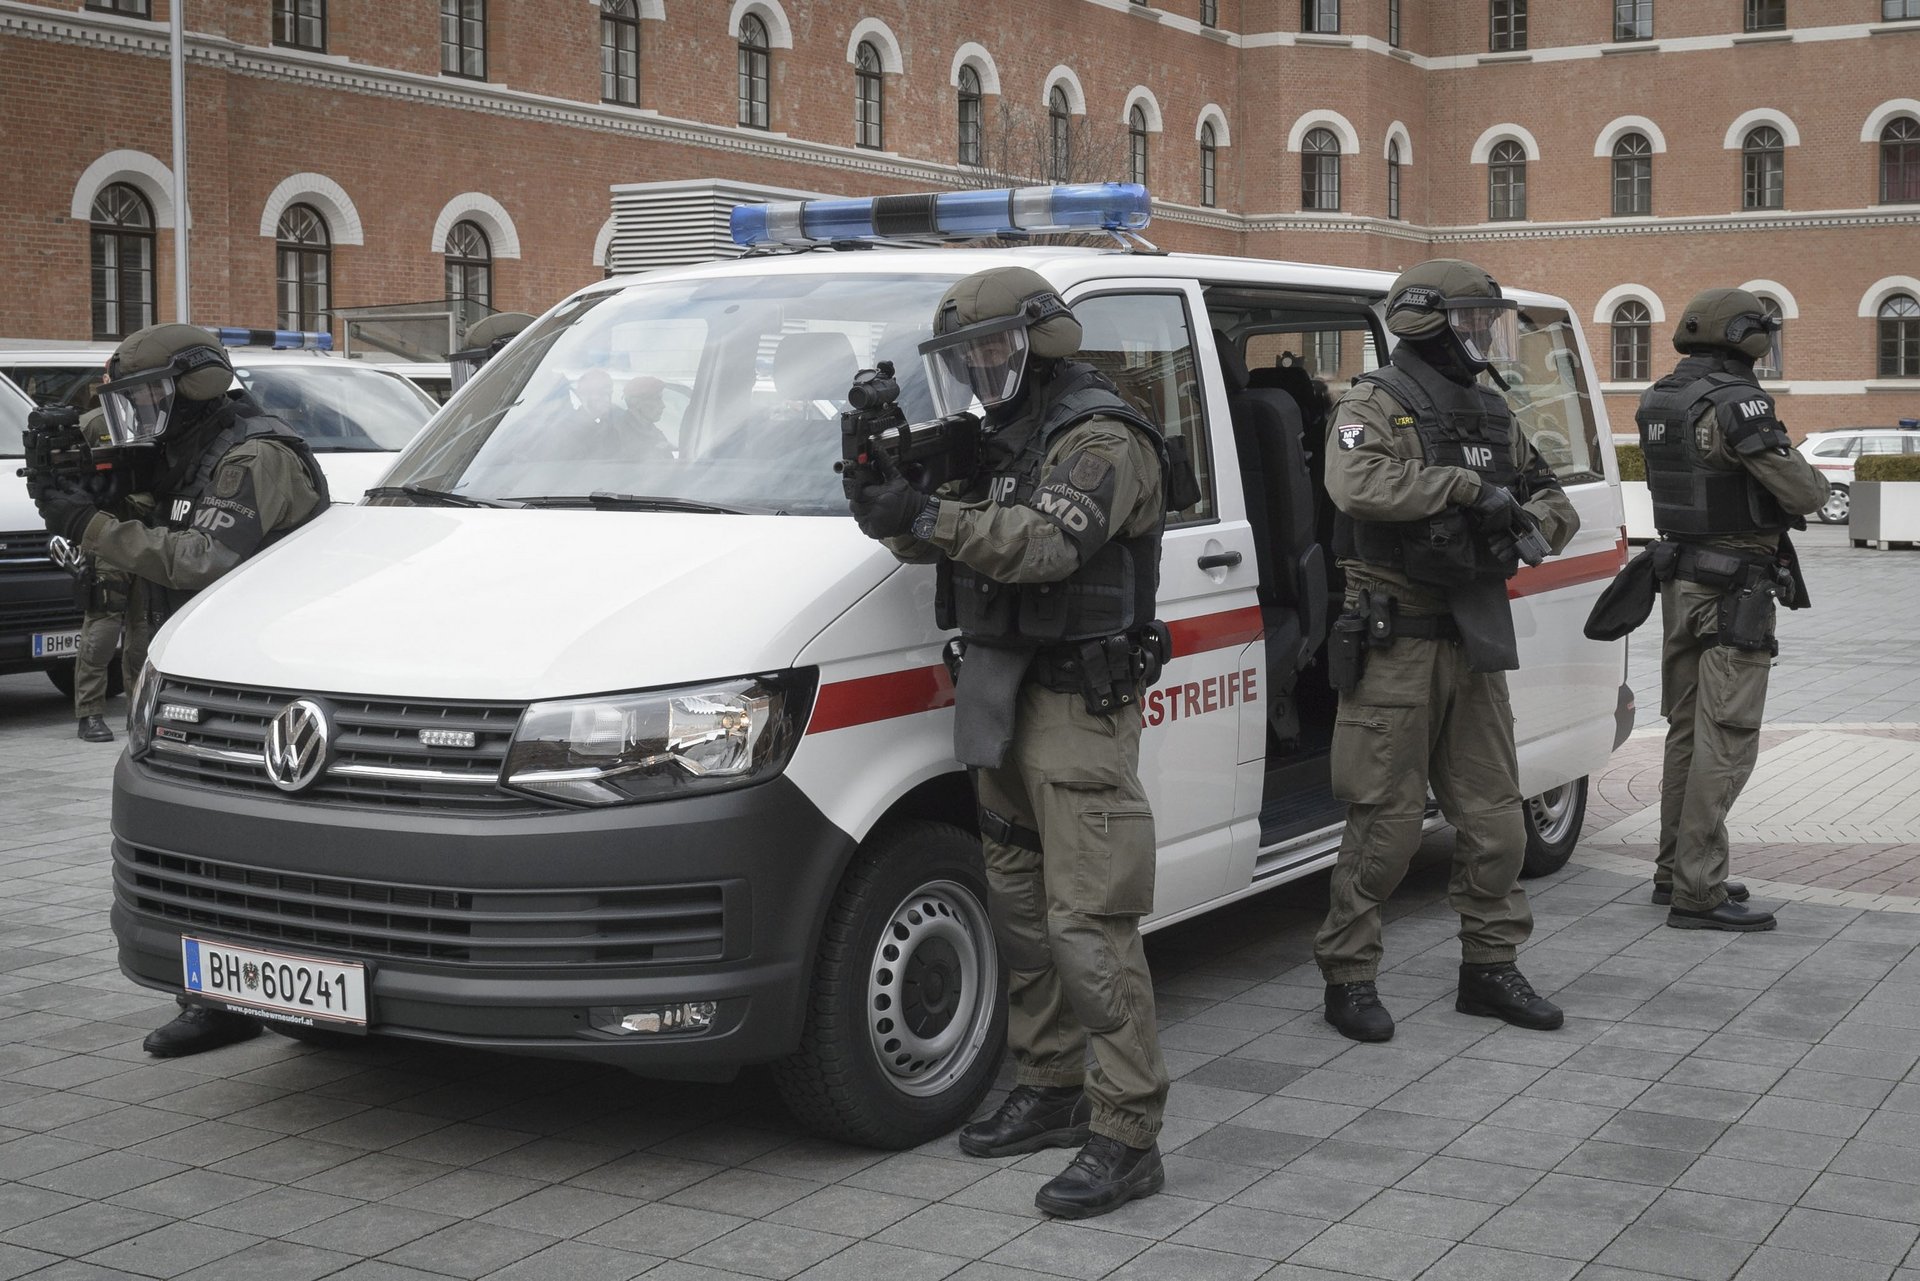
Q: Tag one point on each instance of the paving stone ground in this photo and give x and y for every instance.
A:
(1716, 1107)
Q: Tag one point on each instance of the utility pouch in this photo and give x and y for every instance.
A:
(1183, 485)
(1347, 652)
(952, 654)
(1718, 570)
(1152, 651)
(1104, 672)
(1746, 615)
(1379, 611)
(1666, 560)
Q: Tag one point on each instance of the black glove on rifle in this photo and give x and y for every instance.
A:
(66, 512)
(887, 508)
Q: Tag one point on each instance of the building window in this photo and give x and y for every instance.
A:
(620, 51)
(1507, 25)
(1326, 354)
(1320, 170)
(469, 265)
(1393, 24)
(1393, 179)
(1632, 176)
(1900, 162)
(1764, 161)
(1059, 135)
(1209, 13)
(463, 38)
(756, 62)
(131, 8)
(305, 276)
(1633, 19)
(1507, 182)
(1137, 145)
(867, 109)
(1320, 15)
(1209, 166)
(1766, 15)
(972, 116)
(1890, 10)
(300, 24)
(1765, 368)
(1632, 342)
(1900, 337)
(122, 241)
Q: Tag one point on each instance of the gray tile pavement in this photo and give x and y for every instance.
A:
(1717, 1107)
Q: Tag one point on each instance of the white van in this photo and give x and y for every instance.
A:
(589, 749)
(39, 617)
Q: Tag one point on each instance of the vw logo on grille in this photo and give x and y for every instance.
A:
(296, 747)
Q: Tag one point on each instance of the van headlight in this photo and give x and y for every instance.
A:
(146, 693)
(651, 746)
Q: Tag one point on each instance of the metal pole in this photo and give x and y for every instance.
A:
(182, 301)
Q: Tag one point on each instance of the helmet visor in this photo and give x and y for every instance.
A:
(981, 363)
(138, 408)
(1488, 330)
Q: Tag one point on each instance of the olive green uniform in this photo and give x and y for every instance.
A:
(99, 637)
(1068, 919)
(1418, 716)
(1713, 695)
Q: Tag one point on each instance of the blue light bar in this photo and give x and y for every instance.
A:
(1092, 206)
(278, 339)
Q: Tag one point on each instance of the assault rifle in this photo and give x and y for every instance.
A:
(876, 440)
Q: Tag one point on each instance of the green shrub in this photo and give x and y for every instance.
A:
(1633, 463)
(1888, 467)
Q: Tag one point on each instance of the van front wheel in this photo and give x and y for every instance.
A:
(906, 1019)
(1553, 827)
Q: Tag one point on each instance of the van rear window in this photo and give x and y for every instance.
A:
(1550, 398)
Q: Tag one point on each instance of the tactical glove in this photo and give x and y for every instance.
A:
(66, 512)
(885, 509)
(1494, 507)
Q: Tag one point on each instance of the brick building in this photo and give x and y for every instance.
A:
(1623, 153)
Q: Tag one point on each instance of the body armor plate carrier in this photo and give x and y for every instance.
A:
(1692, 498)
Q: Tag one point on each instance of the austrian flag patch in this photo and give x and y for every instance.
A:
(1350, 436)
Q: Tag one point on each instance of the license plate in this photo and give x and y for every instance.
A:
(277, 985)
(56, 644)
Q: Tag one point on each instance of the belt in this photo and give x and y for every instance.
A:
(1434, 627)
(1004, 831)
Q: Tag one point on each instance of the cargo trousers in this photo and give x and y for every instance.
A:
(92, 666)
(1714, 698)
(1068, 894)
(1419, 717)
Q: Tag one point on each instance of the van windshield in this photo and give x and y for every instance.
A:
(13, 424)
(716, 393)
(339, 408)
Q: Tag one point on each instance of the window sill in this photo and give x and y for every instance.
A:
(1505, 55)
(1405, 55)
(1896, 28)
(464, 78)
(1764, 37)
(1145, 11)
(1637, 46)
(1324, 41)
(1215, 33)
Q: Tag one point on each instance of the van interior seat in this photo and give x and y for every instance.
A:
(814, 366)
(1280, 508)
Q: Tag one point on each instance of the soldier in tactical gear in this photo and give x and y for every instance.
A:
(1438, 494)
(103, 594)
(1727, 485)
(228, 480)
(1048, 563)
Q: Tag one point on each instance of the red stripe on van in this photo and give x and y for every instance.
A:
(1215, 631)
(1553, 575)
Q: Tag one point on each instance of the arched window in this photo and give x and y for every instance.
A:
(620, 51)
(866, 96)
(1632, 175)
(1060, 135)
(305, 275)
(1137, 144)
(469, 264)
(756, 63)
(1393, 179)
(972, 116)
(1900, 337)
(1764, 161)
(1320, 170)
(1765, 368)
(1507, 182)
(122, 241)
(1209, 165)
(1900, 162)
(1632, 342)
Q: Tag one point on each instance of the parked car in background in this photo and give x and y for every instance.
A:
(355, 415)
(433, 377)
(1836, 451)
(39, 619)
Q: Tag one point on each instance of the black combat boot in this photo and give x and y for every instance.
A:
(1663, 894)
(1355, 1011)
(1501, 991)
(94, 729)
(196, 1030)
(1730, 915)
(1033, 1117)
(1105, 1176)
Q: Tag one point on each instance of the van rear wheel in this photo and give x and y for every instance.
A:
(907, 1017)
(1553, 827)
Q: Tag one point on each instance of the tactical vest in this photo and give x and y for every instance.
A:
(1693, 498)
(1111, 593)
(1469, 427)
(245, 421)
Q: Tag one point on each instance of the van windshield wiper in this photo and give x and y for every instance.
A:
(446, 498)
(602, 500)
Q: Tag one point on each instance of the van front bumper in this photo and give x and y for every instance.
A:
(499, 932)
(35, 600)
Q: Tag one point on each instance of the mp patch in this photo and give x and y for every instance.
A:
(1350, 436)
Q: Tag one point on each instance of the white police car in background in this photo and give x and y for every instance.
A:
(39, 618)
(583, 744)
(355, 415)
(1838, 450)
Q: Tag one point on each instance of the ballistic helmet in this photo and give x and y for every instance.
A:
(1731, 320)
(984, 329)
(1445, 298)
(153, 367)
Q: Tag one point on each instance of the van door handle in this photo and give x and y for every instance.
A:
(1220, 560)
